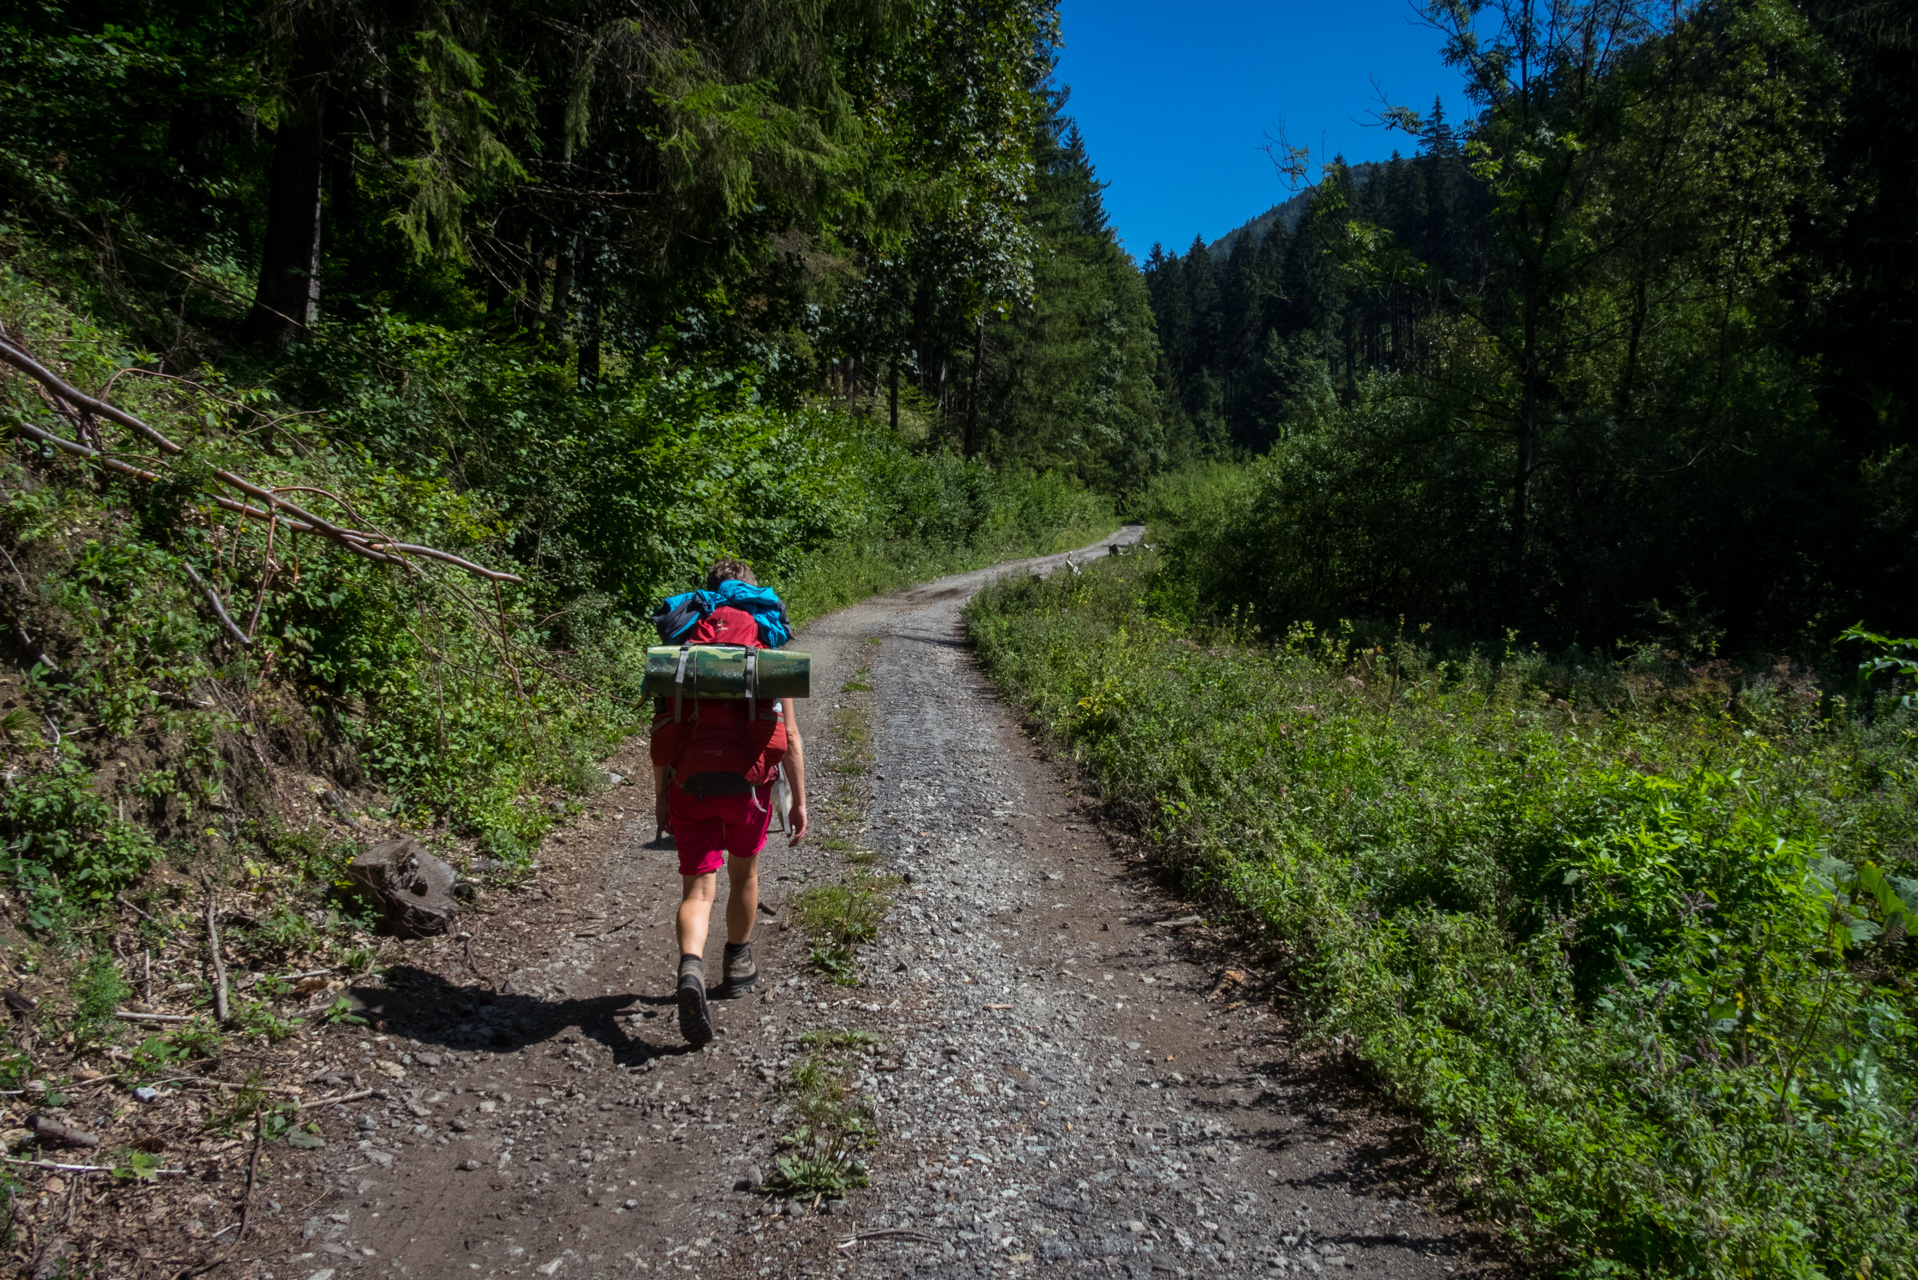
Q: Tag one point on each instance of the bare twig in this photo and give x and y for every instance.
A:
(355, 1096)
(25, 637)
(219, 965)
(252, 1177)
(472, 963)
(213, 598)
(266, 575)
(890, 1233)
(79, 1168)
(125, 1016)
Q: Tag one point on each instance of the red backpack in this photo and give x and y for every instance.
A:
(720, 746)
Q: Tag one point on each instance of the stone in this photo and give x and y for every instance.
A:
(413, 888)
(469, 1164)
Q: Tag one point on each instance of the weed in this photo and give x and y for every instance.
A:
(138, 1166)
(256, 1018)
(98, 991)
(199, 1039)
(241, 1106)
(838, 919)
(831, 1127)
(841, 1040)
(340, 1013)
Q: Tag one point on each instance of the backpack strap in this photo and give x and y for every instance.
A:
(679, 680)
(752, 685)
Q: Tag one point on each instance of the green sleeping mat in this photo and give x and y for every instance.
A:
(723, 671)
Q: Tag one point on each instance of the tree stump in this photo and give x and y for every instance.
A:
(414, 888)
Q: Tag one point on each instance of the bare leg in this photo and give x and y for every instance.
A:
(742, 903)
(696, 911)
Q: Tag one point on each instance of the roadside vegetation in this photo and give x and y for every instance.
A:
(1628, 932)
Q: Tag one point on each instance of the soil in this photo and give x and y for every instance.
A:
(1067, 1083)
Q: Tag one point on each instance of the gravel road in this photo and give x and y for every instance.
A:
(1067, 1085)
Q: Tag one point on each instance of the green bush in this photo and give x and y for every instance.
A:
(66, 852)
(1630, 940)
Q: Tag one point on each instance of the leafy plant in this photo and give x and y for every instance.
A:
(98, 991)
(140, 1166)
(831, 1127)
(1898, 658)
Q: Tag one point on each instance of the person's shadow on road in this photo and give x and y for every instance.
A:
(424, 1006)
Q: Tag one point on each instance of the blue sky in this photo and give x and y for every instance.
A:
(1175, 100)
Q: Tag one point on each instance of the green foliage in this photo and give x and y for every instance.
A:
(1629, 938)
(98, 991)
(140, 1166)
(831, 1127)
(1898, 658)
(839, 918)
(66, 852)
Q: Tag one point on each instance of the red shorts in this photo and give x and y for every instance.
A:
(704, 826)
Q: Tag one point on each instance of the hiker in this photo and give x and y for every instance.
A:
(715, 764)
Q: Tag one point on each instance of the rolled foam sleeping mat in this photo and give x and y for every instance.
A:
(719, 671)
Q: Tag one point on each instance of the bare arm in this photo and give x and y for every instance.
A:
(795, 771)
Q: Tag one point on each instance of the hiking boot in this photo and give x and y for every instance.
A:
(741, 972)
(695, 1019)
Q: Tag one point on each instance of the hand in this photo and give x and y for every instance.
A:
(796, 821)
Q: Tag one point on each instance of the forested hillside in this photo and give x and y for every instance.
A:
(1619, 357)
(371, 372)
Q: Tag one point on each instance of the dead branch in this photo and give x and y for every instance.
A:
(219, 965)
(213, 598)
(301, 520)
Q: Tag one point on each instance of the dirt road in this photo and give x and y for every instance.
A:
(1066, 1085)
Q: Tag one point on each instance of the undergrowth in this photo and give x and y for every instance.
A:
(1630, 938)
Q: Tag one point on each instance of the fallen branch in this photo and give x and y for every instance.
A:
(219, 609)
(128, 1016)
(890, 1233)
(277, 508)
(341, 1098)
(82, 1168)
(219, 965)
(65, 1134)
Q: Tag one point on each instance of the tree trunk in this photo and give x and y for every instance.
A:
(532, 289)
(562, 294)
(972, 398)
(288, 297)
(589, 345)
(892, 392)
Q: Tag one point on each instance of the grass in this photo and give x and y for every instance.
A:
(1630, 939)
(839, 918)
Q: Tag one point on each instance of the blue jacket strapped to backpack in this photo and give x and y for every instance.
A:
(683, 612)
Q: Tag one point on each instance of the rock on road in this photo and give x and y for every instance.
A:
(1067, 1087)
